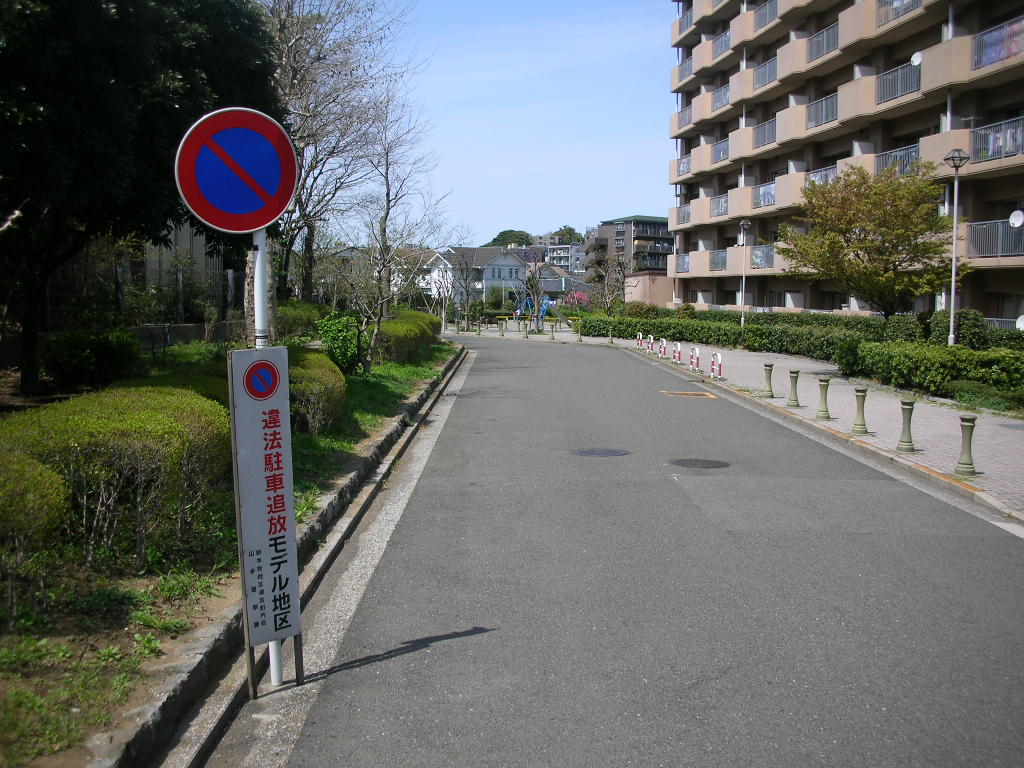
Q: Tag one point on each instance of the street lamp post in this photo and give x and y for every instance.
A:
(744, 228)
(956, 159)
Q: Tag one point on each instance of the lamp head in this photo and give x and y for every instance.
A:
(956, 158)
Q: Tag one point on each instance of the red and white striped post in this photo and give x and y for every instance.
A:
(694, 358)
(716, 365)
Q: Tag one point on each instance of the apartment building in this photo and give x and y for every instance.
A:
(776, 95)
(643, 245)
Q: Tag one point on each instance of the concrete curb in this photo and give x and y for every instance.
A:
(901, 465)
(217, 645)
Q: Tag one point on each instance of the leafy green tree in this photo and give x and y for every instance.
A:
(568, 234)
(508, 237)
(95, 98)
(880, 237)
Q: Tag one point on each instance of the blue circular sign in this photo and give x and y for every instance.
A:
(261, 380)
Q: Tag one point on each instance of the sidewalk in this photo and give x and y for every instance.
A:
(998, 445)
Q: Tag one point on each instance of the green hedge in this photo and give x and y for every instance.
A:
(84, 357)
(317, 389)
(903, 328)
(298, 318)
(209, 379)
(931, 368)
(140, 463)
(987, 396)
(408, 335)
(1007, 338)
(340, 336)
(971, 329)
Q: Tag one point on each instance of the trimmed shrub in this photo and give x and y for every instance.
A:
(317, 388)
(987, 396)
(209, 379)
(140, 463)
(640, 309)
(686, 312)
(298, 318)
(34, 504)
(903, 328)
(931, 368)
(971, 329)
(340, 336)
(1007, 338)
(84, 357)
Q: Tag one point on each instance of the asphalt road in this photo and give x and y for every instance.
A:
(534, 607)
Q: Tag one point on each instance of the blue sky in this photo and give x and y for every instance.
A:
(546, 113)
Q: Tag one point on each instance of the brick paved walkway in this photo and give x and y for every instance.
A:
(998, 445)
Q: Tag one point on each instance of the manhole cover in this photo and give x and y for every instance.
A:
(602, 452)
(700, 463)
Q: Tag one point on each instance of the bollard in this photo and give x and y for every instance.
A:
(579, 331)
(639, 337)
(610, 339)
(501, 327)
(823, 414)
(663, 348)
(694, 358)
(906, 443)
(794, 396)
(552, 328)
(650, 343)
(478, 324)
(526, 330)
(860, 427)
(965, 465)
(716, 365)
(677, 352)
(768, 379)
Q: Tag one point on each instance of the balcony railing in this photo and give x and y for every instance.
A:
(763, 194)
(686, 20)
(823, 42)
(902, 158)
(821, 176)
(991, 142)
(766, 73)
(683, 214)
(999, 43)
(893, 9)
(720, 98)
(685, 116)
(994, 238)
(720, 45)
(766, 13)
(764, 133)
(823, 111)
(720, 205)
(718, 260)
(762, 257)
(683, 165)
(682, 263)
(650, 262)
(897, 82)
(685, 68)
(720, 151)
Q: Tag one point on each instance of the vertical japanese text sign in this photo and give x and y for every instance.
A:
(264, 496)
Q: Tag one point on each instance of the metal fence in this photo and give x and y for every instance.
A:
(762, 257)
(994, 238)
(823, 111)
(1004, 139)
(766, 73)
(682, 263)
(822, 175)
(893, 9)
(720, 151)
(902, 158)
(766, 13)
(720, 45)
(718, 260)
(720, 205)
(823, 42)
(763, 194)
(998, 43)
(764, 133)
(897, 82)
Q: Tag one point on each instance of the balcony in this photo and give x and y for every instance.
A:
(821, 176)
(993, 142)
(998, 43)
(720, 205)
(762, 257)
(764, 133)
(682, 263)
(720, 45)
(683, 214)
(897, 82)
(682, 119)
(893, 9)
(902, 159)
(766, 73)
(720, 151)
(823, 42)
(988, 239)
(718, 260)
(765, 13)
(720, 98)
(823, 111)
(683, 166)
(762, 195)
(682, 72)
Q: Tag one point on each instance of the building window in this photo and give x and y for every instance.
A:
(775, 298)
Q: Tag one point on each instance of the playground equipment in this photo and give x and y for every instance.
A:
(526, 309)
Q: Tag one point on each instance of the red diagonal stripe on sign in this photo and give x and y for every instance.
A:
(238, 170)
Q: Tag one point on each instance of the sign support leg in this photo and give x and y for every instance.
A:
(300, 673)
(259, 292)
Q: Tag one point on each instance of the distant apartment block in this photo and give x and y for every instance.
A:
(773, 96)
(643, 244)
